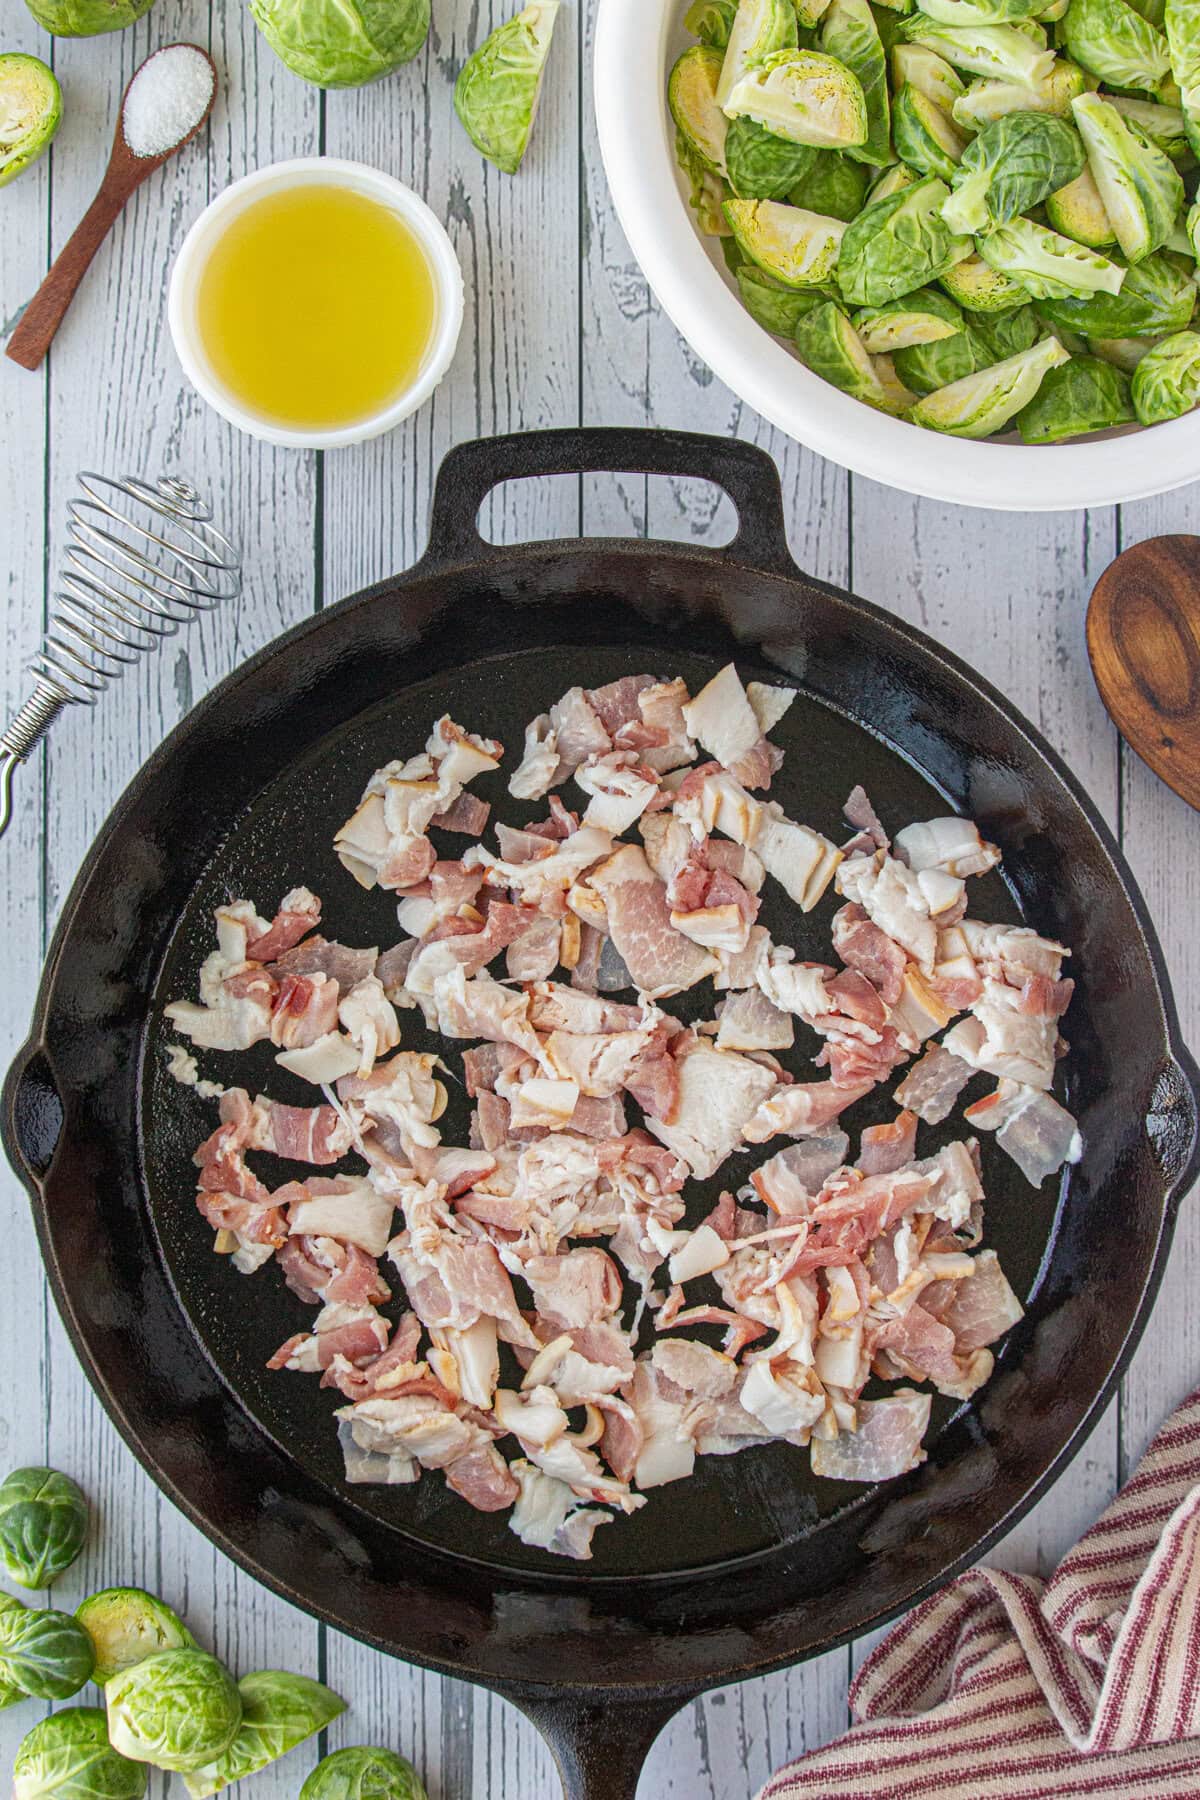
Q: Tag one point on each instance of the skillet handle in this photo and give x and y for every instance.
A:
(746, 473)
(31, 1114)
(599, 1744)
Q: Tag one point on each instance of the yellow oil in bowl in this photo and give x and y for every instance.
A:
(316, 307)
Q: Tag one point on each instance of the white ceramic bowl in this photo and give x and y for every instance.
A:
(636, 43)
(208, 228)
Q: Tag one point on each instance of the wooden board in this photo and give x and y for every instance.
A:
(560, 328)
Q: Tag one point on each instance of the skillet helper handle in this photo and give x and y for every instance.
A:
(31, 1114)
(1174, 1122)
(600, 1745)
(746, 473)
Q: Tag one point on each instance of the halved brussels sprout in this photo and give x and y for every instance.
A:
(926, 137)
(43, 1522)
(178, 1710)
(777, 309)
(1004, 334)
(916, 66)
(126, 1625)
(795, 246)
(342, 43)
(982, 404)
(898, 244)
(1163, 125)
(1155, 298)
(30, 112)
(498, 87)
(895, 397)
(980, 288)
(1114, 42)
(363, 1773)
(998, 52)
(805, 96)
(1140, 186)
(1081, 395)
(692, 97)
(1166, 382)
(707, 197)
(279, 1711)
(68, 1757)
(711, 21)
(986, 101)
(832, 184)
(927, 367)
(924, 317)
(828, 344)
(44, 1653)
(981, 12)
(87, 18)
(1010, 168)
(1046, 265)
(848, 33)
(761, 166)
(892, 181)
(759, 27)
(1123, 353)
(1077, 211)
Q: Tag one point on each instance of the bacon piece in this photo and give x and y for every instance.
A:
(862, 815)
(312, 1134)
(254, 1221)
(863, 946)
(357, 1333)
(317, 956)
(887, 1442)
(719, 1095)
(622, 1439)
(322, 1268)
(660, 959)
(933, 1084)
(886, 1148)
(532, 955)
(1031, 1127)
(299, 913)
(982, 1307)
(804, 1109)
(578, 1288)
(578, 732)
(616, 703)
(790, 1181)
(468, 814)
(483, 1479)
(1044, 998)
(407, 864)
(305, 1010)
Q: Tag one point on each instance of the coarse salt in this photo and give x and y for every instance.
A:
(167, 98)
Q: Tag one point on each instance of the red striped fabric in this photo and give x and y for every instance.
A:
(1005, 1687)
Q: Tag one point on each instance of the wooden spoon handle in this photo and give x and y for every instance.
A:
(44, 314)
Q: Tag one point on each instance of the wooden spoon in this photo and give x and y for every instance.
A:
(1143, 635)
(44, 314)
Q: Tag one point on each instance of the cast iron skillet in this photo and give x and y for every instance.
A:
(754, 1564)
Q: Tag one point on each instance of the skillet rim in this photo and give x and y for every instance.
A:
(910, 639)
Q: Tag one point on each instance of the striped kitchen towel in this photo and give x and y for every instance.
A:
(1004, 1687)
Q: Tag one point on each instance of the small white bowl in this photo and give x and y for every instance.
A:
(636, 43)
(210, 226)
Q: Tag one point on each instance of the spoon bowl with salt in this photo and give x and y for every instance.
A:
(165, 105)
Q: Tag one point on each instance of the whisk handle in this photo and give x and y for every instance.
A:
(45, 312)
(23, 731)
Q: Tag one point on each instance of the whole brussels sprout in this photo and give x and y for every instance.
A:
(363, 1773)
(1154, 298)
(178, 1710)
(986, 101)
(849, 33)
(1010, 168)
(126, 1625)
(832, 184)
(898, 244)
(1140, 186)
(982, 404)
(805, 96)
(1077, 211)
(998, 52)
(777, 309)
(923, 317)
(916, 66)
(761, 166)
(43, 1522)
(926, 137)
(1166, 383)
(498, 88)
(759, 27)
(1113, 41)
(828, 344)
(86, 18)
(980, 288)
(30, 112)
(279, 1711)
(1048, 266)
(342, 43)
(711, 21)
(68, 1757)
(44, 1653)
(1078, 396)
(796, 247)
(692, 97)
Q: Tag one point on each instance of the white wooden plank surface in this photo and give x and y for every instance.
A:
(560, 328)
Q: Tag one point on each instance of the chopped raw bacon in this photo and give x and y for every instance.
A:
(567, 1230)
